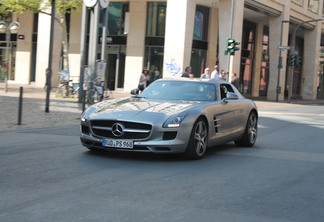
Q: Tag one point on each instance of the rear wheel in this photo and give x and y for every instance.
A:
(198, 140)
(251, 130)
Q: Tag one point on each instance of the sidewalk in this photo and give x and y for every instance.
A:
(67, 111)
(62, 111)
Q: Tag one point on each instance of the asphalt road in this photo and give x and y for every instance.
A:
(46, 175)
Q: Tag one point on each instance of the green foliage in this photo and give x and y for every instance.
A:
(68, 6)
(20, 6)
(38, 6)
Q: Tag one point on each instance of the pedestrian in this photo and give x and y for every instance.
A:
(187, 73)
(222, 75)
(235, 80)
(206, 74)
(215, 74)
(144, 80)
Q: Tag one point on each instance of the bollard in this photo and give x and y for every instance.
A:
(20, 105)
(84, 92)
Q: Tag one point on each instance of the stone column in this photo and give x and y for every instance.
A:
(178, 36)
(257, 60)
(74, 45)
(312, 42)
(44, 22)
(135, 44)
(275, 24)
(212, 38)
(24, 49)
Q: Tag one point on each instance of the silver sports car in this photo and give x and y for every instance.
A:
(179, 115)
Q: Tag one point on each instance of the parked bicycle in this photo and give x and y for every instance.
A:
(67, 88)
(98, 92)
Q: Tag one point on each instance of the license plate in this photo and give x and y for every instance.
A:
(117, 143)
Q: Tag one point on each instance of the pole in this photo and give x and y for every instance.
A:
(50, 58)
(293, 52)
(7, 58)
(20, 105)
(93, 40)
(231, 57)
(84, 32)
(278, 91)
(104, 31)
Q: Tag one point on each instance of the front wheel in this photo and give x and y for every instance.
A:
(250, 134)
(198, 140)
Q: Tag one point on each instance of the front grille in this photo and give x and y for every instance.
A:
(132, 130)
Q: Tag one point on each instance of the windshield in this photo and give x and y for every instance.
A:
(180, 90)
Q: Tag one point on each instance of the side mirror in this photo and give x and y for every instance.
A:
(231, 96)
(135, 91)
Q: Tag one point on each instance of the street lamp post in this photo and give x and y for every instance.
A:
(12, 28)
(293, 52)
(280, 61)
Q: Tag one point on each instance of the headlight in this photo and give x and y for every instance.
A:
(87, 113)
(175, 121)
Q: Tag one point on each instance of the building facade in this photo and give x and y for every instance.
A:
(167, 36)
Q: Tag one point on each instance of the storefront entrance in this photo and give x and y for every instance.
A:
(115, 73)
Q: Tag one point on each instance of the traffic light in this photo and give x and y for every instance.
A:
(292, 60)
(231, 46)
(298, 61)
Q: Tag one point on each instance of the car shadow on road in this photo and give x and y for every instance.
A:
(151, 157)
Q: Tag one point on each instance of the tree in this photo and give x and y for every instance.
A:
(41, 6)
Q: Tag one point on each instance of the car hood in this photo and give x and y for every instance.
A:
(139, 108)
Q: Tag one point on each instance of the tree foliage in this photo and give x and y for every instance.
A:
(43, 6)
(39, 6)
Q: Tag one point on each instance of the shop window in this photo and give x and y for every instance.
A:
(154, 61)
(156, 15)
(247, 52)
(198, 61)
(264, 75)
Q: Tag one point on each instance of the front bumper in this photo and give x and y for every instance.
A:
(160, 140)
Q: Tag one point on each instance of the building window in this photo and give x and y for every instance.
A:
(154, 61)
(298, 2)
(199, 43)
(313, 5)
(116, 18)
(156, 14)
(198, 61)
(247, 54)
(154, 41)
(201, 23)
(264, 75)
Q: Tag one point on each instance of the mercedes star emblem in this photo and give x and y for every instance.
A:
(118, 129)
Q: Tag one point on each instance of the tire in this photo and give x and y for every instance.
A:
(251, 130)
(198, 140)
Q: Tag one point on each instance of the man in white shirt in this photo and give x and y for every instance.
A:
(215, 74)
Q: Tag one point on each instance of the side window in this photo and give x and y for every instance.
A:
(224, 89)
